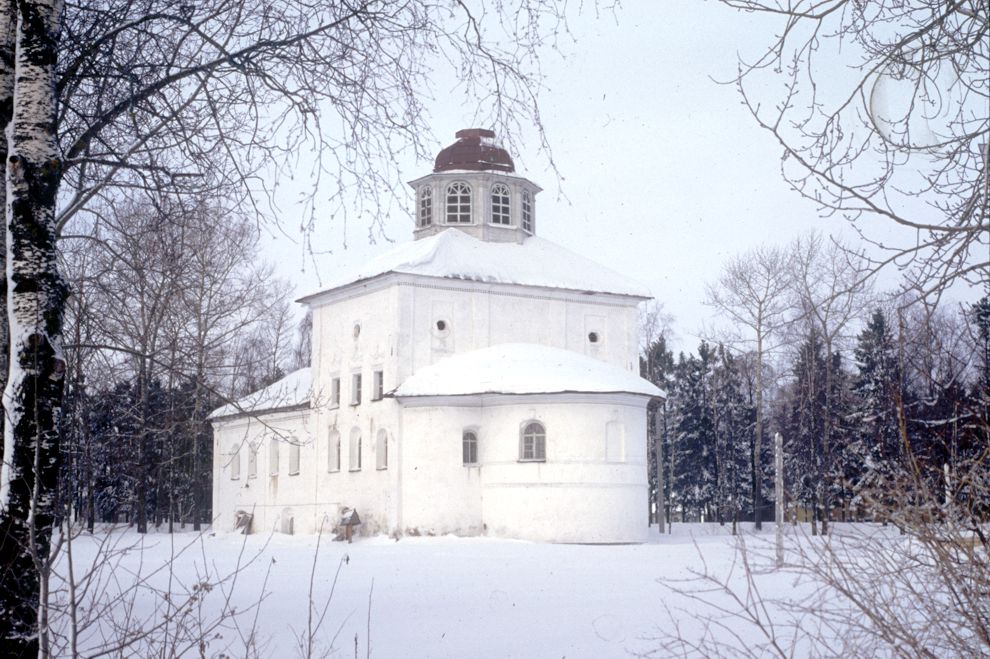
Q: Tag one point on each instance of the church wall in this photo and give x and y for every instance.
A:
(585, 491)
(439, 494)
(481, 316)
(426, 488)
(338, 353)
(262, 493)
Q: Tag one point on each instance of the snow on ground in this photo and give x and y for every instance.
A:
(429, 596)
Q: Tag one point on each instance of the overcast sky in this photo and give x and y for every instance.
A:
(664, 172)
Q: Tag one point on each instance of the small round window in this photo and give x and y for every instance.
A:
(593, 337)
(441, 325)
(357, 330)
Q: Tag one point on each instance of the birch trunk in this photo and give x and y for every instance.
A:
(35, 300)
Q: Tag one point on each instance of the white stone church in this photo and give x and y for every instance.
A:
(478, 380)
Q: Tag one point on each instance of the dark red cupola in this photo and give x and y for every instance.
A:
(474, 150)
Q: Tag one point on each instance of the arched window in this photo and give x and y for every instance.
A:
(533, 445)
(235, 461)
(469, 447)
(354, 450)
(273, 456)
(381, 450)
(425, 206)
(500, 204)
(527, 211)
(333, 451)
(293, 456)
(458, 203)
(252, 460)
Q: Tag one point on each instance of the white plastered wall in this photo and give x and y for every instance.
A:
(337, 352)
(577, 495)
(264, 494)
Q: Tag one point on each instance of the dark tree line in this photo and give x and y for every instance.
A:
(905, 409)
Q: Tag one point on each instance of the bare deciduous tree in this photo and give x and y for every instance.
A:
(831, 295)
(900, 135)
(753, 292)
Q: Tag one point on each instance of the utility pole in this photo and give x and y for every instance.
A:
(658, 452)
(778, 494)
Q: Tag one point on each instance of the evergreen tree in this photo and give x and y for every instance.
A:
(693, 439)
(875, 415)
(733, 418)
(805, 426)
(657, 366)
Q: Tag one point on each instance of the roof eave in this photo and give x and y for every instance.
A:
(268, 410)
(399, 396)
(330, 292)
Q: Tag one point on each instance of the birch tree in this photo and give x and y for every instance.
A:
(36, 295)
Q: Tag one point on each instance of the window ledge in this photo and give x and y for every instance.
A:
(472, 464)
(353, 471)
(381, 468)
(293, 473)
(532, 460)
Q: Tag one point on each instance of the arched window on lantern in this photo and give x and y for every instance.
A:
(425, 206)
(527, 211)
(500, 204)
(458, 203)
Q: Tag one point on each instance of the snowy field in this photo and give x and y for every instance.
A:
(416, 597)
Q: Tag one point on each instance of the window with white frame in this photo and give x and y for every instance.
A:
(293, 457)
(356, 389)
(252, 460)
(533, 443)
(235, 461)
(458, 203)
(333, 451)
(500, 204)
(378, 386)
(469, 447)
(273, 456)
(334, 392)
(527, 211)
(425, 206)
(354, 450)
(381, 449)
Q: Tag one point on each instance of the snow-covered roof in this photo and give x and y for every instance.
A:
(522, 368)
(453, 254)
(291, 391)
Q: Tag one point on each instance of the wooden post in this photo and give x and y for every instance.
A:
(778, 493)
(658, 452)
